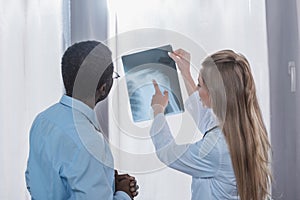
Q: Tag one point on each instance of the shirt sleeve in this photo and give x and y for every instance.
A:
(27, 180)
(201, 159)
(120, 195)
(204, 118)
(89, 179)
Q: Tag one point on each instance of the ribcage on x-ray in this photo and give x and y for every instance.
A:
(136, 103)
(140, 90)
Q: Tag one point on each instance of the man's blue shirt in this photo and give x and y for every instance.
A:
(69, 158)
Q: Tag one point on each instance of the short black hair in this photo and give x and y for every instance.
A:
(74, 57)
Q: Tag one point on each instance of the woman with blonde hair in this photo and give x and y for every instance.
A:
(231, 161)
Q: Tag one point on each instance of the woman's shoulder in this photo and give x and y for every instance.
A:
(211, 143)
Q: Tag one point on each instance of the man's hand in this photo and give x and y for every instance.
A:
(127, 184)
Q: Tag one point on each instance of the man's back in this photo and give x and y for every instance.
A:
(68, 157)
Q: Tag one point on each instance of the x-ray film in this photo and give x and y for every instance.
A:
(143, 67)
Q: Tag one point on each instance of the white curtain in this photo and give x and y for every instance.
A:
(33, 35)
(200, 26)
(31, 45)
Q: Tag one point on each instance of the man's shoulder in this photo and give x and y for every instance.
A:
(55, 124)
(55, 112)
(55, 118)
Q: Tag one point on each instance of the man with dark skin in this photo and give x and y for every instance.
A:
(69, 157)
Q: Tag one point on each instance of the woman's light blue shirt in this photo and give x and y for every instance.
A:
(207, 161)
(69, 158)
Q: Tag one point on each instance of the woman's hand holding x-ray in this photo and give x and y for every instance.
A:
(182, 59)
(159, 101)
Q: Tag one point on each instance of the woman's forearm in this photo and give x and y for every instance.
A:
(189, 84)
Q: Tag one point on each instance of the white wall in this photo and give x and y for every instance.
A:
(31, 39)
(200, 26)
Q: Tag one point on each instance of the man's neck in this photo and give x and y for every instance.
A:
(89, 102)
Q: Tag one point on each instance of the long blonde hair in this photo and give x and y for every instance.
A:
(228, 78)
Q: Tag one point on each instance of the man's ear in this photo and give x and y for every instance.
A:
(102, 89)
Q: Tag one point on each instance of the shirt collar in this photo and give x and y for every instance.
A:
(82, 108)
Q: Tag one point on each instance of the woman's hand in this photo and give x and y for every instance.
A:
(182, 58)
(159, 101)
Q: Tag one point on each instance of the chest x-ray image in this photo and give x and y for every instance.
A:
(143, 67)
